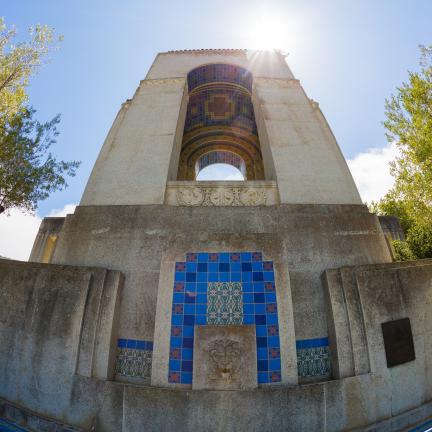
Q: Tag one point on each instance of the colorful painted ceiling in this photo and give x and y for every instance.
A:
(220, 118)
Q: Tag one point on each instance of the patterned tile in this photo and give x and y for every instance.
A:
(134, 358)
(227, 288)
(224, 304)
(313, 358)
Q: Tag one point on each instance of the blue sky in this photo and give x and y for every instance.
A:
(349, 56)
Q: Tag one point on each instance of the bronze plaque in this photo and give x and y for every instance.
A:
(398, 342)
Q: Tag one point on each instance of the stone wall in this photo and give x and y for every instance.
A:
(360, 300)
(55, 321)
(301, 240)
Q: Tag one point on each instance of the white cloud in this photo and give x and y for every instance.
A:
(371, 171)
(219, 172)
(18, 231)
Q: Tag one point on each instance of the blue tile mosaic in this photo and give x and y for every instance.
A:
(134, 357)
(6, 426)
(232, 288)
(313, 359)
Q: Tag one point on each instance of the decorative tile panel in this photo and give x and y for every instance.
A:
(226, 288)
(313, 358)
(224, 303)
(134, 358)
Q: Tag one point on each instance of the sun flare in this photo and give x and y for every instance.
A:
(267, 31)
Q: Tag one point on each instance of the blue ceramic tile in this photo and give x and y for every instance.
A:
(187, 342)
(248, 308)
(261, 342)
(262, 365)
(270, 297)
(201, 277)
(260, 309)
(186, 378)
(201, 309)
(248, 298)
(257, 266)
(268, 276)
(248, 319)
(141, 345)
(178, 298)
(235, 277)
(189, 308)
(191, 267)
(175, 342)
(272, 319)
(246, 267)
(213, 267)
(224, 277)
(262, 353)
(260, 319)
(202, 257)
(261, 330)
(201, 298)
(186, 366)
(247, 277)
(174, 365)
(202, 267)
(224, 257)
(263, 378)
(213, 277)
(201, 319)
(224, 267)
(190, 298)
(259, 298)
(190, 287)
(179, 277)
(256, 276)
(236, 267)
(189, 320)
(177, 320)
(121, 343)
(190, 277)
(131, 343)
(201, 287)
(187, 354)
(274, 365)
(246, 256)
(188, 331)
(273, 342)
(247, 287)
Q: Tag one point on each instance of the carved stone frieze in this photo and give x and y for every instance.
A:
(221, 196)
(150, 82)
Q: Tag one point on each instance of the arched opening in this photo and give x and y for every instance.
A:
(220, 123)
(220, 172)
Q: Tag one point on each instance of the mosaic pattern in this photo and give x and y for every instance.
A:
(195, 282)
(224, 303)
(221, 157)
(134, 358)
(313, 357)
(220, 73)
(220, 107)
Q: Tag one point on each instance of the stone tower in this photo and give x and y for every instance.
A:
(162, 281)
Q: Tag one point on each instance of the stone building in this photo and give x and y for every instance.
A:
(165, 303)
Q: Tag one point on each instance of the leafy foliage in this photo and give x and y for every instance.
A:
(28, 171)
(17, 63)
(409, 124)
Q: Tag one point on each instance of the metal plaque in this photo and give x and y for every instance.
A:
(398, 342)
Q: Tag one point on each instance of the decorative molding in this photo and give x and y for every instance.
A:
(232, 194)
(162, 81)
(204, 51)
(278, 82)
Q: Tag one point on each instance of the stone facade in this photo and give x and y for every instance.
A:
(269, 296)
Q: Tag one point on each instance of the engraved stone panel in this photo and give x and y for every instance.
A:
(225, 357)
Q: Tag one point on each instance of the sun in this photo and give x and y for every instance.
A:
(267, 31)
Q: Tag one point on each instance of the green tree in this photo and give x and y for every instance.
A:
(28, 170)
(409, 124)
(18, 62)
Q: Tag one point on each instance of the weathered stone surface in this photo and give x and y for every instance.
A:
(224, 358)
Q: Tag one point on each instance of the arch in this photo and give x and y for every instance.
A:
(220, 157)
(220, 118)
